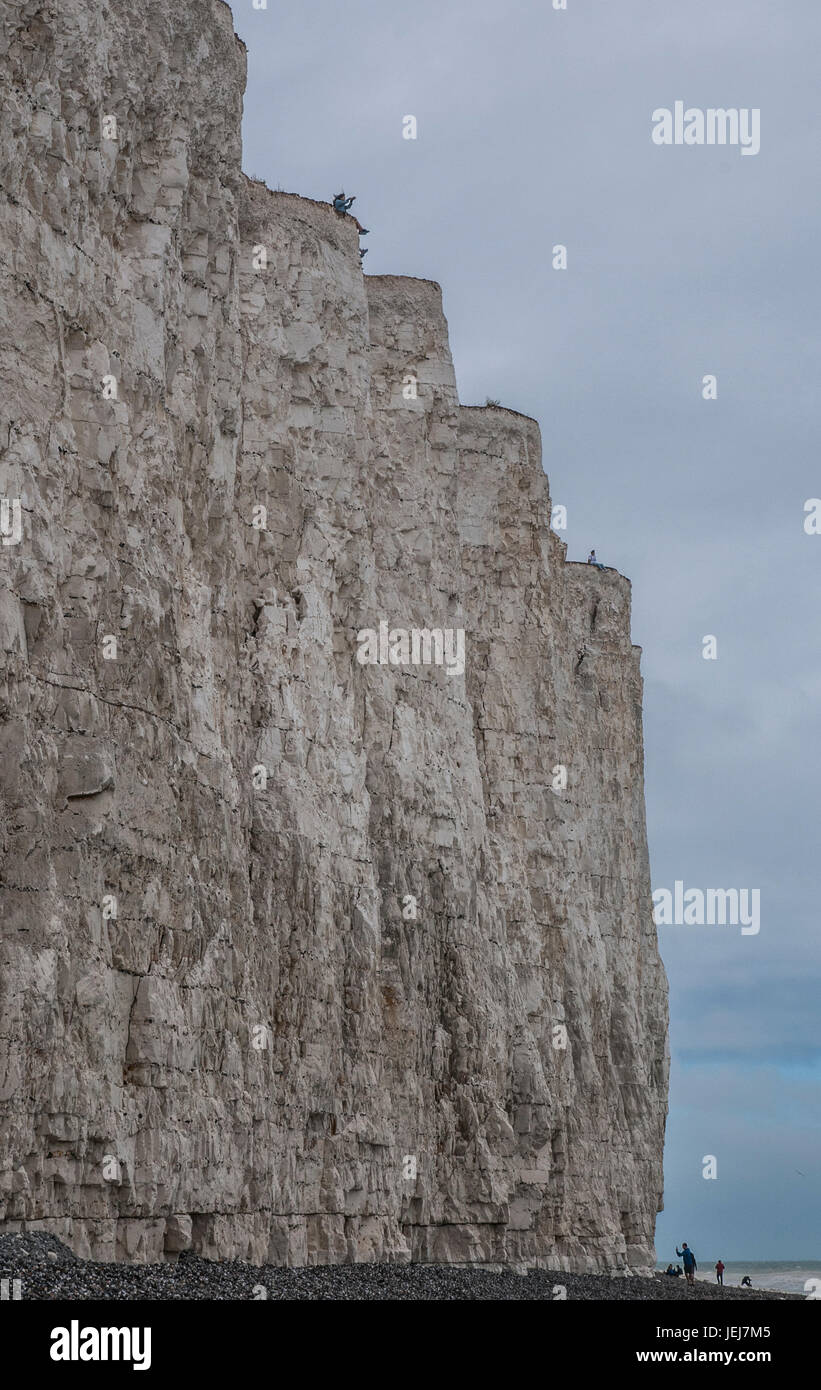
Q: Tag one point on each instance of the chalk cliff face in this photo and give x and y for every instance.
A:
(303, 959)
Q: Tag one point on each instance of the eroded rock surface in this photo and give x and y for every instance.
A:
(281, 928)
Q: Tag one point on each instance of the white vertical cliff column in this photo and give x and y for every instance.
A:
(303, 959)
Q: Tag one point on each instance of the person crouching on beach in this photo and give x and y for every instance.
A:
(690, 1266)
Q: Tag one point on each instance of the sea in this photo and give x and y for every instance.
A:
(780, 1276)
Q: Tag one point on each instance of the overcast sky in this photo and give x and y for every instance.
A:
(534, 129)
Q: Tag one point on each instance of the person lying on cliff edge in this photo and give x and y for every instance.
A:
(342, 205)
(690, 1266)
(591, 560)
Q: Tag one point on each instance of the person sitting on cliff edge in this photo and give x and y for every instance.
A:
(342, 205)
(591, 560)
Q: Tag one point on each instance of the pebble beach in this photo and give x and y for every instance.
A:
(47, 1269)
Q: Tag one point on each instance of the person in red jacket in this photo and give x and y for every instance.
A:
(720, 1272)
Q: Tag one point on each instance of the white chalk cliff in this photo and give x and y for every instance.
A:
(278, 927)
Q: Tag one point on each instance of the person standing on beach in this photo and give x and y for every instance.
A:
(690, 1266)
(720, 1272)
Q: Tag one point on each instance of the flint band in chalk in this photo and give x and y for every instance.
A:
(415, 647)
(102, 1344)
(724, 907)
(715, 126)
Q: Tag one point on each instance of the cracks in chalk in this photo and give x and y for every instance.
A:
(118, 704)
(63, 373)
(128, 1030)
